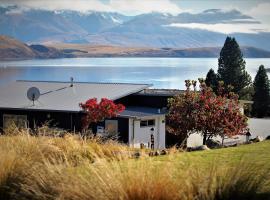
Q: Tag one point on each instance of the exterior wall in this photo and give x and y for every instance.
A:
(72, 121)
(68, 121)
(241, 108)
(142, 135)
(64, 120)
(258, 127)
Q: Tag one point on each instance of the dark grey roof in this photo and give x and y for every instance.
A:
(59, 96)
(141, 112)
(160, 92)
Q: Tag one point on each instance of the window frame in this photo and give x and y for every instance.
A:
(15, 120)
(146, 121)
(115, 123)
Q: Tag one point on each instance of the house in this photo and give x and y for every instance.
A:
(59, 104)
(141, 123)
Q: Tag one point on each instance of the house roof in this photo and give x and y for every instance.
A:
(160, 92)
(140, 112)
(60, 96)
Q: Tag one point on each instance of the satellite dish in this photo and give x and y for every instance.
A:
(33, 94)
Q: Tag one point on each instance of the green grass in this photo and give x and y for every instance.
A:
(257, 153)
(71, 168)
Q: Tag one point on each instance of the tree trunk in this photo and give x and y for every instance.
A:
(204, 138)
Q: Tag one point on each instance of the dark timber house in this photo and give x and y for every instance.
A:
(59, 103)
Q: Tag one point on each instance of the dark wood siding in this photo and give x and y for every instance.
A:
(64, 120)
(145, 101)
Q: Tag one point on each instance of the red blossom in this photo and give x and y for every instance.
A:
(205, 112)
(96, 112)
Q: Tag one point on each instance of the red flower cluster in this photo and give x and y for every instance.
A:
(96, 112)
(205, 112)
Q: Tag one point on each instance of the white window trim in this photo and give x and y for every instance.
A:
(147, 123)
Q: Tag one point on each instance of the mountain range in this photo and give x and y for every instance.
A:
(12, 49)
(155, 30)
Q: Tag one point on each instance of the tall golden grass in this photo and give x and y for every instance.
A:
(42, 167)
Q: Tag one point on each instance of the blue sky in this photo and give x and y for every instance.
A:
(258, 9)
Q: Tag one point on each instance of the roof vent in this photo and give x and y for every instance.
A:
(71, 81)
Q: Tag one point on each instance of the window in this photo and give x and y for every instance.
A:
(145, 123)
(111, 126)
(19, 121)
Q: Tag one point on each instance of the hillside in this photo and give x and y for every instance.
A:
(88, 50)
(12, 49)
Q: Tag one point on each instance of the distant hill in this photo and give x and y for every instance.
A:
(84, 50)
(12, 49)
(113, 29)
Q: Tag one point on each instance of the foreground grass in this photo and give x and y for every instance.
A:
(72, 168)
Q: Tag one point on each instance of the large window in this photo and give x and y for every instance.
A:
(111, 126)
(146, 123)
(19, 121)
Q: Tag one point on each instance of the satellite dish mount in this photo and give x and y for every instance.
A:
(33, 94)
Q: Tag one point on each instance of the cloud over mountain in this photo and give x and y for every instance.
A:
(122, 6)
(155, 29)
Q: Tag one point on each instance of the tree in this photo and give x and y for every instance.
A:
(261, 98)
(181, 120)
(206, 113)
(96, 112)
(219, 115)
(231, 67)
(212, 80)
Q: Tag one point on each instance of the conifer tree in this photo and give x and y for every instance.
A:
(231, 67)
(261, 96)
(212, 80)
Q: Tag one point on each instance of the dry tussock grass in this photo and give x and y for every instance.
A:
(43, 167)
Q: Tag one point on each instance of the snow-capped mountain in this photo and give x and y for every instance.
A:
(185, 30)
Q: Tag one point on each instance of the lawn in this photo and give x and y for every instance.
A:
(45, 167)
(258, 154)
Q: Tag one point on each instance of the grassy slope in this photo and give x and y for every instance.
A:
(257, 154)
(70, 168)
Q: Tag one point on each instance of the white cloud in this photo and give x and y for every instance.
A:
(129, 7)
(260, 9)
(76, 5)
(144, 6)
(225, 28)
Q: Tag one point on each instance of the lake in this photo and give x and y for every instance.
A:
(161, 72)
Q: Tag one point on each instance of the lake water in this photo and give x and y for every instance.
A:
(161, 72)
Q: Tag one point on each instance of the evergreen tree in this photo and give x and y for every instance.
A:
(212, 80)
(261, 96)
(231, 67)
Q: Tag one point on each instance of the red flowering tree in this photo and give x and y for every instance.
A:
(208, 113)
(97, 112)
(182, 119)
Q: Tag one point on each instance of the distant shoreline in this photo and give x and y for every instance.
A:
(13, 50)
(29, 59)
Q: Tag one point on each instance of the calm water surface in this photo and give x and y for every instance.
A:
(161, 72)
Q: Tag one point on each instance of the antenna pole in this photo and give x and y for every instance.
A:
(71, 81)
(33, 99)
